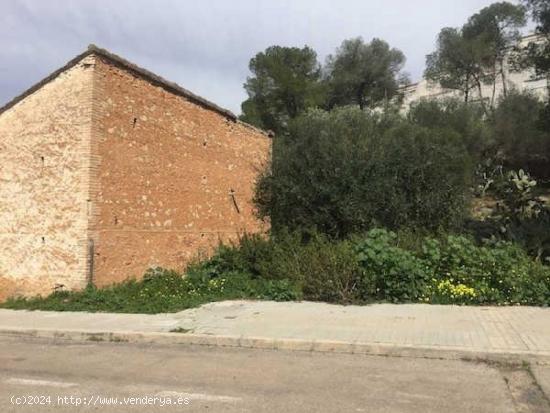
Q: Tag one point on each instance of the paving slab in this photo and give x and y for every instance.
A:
(83, 321)
(542, 376)
(407, 329)
(521, 329)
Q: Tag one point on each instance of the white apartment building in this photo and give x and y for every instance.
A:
(523, 80)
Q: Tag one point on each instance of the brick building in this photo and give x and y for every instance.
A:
(107, 169)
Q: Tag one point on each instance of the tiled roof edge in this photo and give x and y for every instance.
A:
(139, 71)
(160, 81)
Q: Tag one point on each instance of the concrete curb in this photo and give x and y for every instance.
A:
(265, 343)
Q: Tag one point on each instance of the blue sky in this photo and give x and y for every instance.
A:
(206, 45)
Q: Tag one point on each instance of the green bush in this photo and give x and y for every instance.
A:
(345, 171)
(162, 291)
(316, 179)
(419, 178)
(520, 216)
(329, 271)
(382, 265)
(465, 119)
(493, 274)
(274, 258)
(325, 270)
(270, 258)
(522, 139)
(453, 270)
(390, 272)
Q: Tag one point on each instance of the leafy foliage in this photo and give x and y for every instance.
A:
(390, 272)
(326, 271)
(473, 55)
(160, 291)
(364, 74)
(454, 64)
(452, 270)
(330, 271)
(419, 178)
(342, 172)
(467, 120)
(284, 83)
(497, 274)
(539, 51)
(521, 140)
(495, 30)
(521, 216)
(380, 266)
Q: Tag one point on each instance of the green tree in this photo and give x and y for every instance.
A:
(521, 139)
(539, 52)
(454, 64)
(347, 170)
(475, 54)
(467, 120)
(284, 82)
(496, 30)
(363, 74)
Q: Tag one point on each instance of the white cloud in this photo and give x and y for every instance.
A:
(205, 46)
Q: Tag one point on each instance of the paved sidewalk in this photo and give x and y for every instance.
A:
(521, 329)
(407, 329)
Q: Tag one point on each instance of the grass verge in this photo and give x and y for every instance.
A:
(160, 291)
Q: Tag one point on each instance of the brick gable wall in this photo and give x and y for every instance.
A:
(164, 169)
(44, 146)
(104, 173)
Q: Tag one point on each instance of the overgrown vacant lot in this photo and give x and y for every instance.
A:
(447, 203)
(159, 291)
(367, 206)
(380, 266)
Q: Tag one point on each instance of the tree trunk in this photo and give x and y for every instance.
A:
(494, 91)
(504, 86)
(360, 95)
(483, 105)
(467, 89)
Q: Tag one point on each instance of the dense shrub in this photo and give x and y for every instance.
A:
(520, 215)
(330, 271)
(325, 270)
(516, 133)
(498, 274)
(521, 134)
(161, 291)
(465, 119)
(418, 178)
(376, 267)
(317, 178)
(390, 272)
(451, 270)
(345, 171)
(396, 267)
(272, 258)
(532, 233)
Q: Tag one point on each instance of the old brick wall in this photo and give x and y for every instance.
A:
(165, 171)
(44, 146)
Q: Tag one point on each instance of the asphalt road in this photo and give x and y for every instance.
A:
(60, 377)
